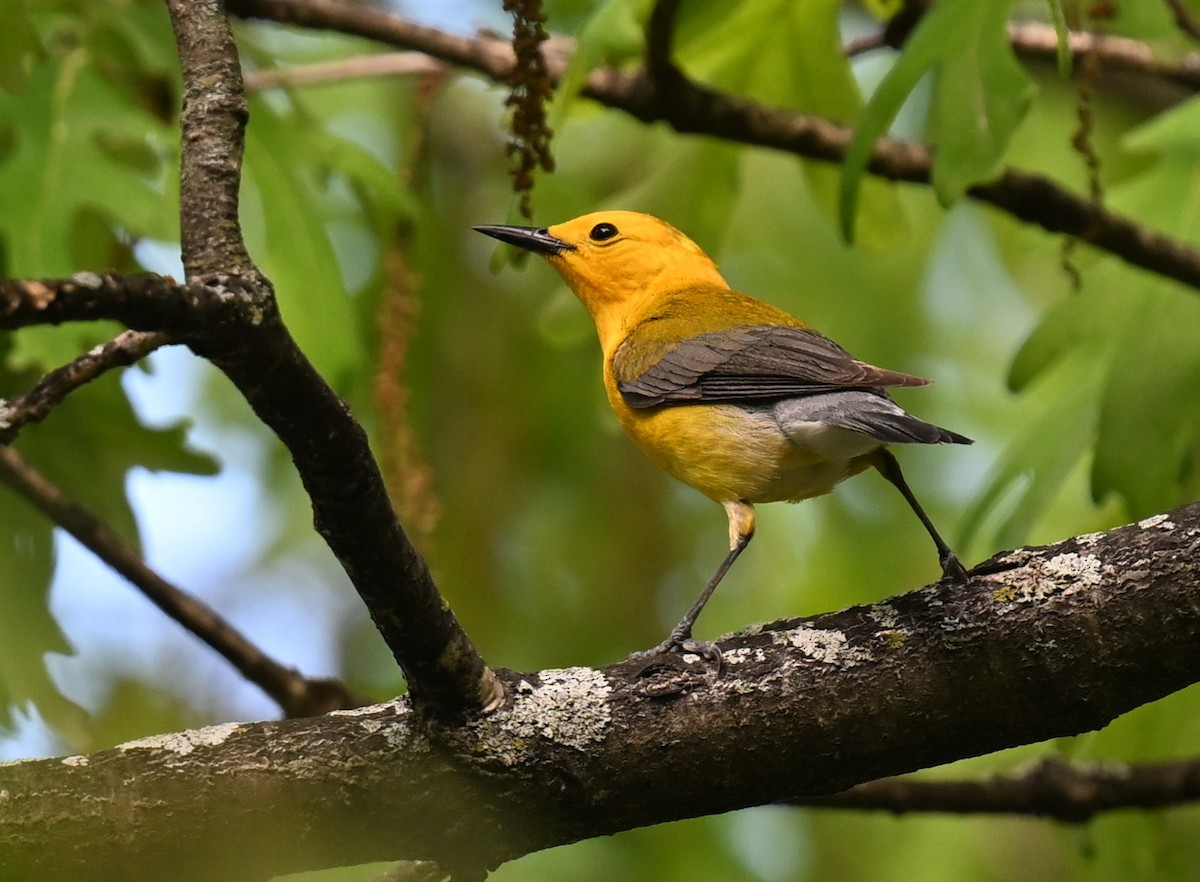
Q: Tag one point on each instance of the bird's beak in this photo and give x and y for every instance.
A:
(536, 239)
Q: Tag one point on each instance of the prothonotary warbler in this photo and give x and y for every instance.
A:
(741, 400)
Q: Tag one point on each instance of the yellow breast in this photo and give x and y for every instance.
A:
(734, 453)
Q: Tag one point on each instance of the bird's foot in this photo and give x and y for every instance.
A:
(670, 668)
(953, 569)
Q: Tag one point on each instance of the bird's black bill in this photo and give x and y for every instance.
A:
(536, 239)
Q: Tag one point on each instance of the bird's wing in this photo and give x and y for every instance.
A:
(749, 362)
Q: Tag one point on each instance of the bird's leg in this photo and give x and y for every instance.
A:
(741, 531)
(889, 467)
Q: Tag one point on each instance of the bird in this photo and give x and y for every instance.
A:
(737, 398)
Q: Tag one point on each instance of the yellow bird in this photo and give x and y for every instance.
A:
(732, 396)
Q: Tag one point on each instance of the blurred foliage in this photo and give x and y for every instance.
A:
(979, 96)
(558, 543)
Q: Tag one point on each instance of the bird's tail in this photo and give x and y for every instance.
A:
(871, 413)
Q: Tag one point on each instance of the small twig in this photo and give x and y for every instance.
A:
(660, 35)
(1034, 40)
(864, 44)
(496, 58)
(36, 404)
(1050, 789)
(389, 64)
(696, 109)
(296, 694)
(1184, 19)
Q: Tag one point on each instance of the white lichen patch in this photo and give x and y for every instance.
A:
(74, 760)
(87, 279)
(884, 615)
(1157, 522)
(569, 706)
(394, 719)
(1062, 575)
(183, 743)
(399, 705)
(399, 733)
(929, 595)
(1085, 568)
(829, 646)
(743, 654)
(1088, 539)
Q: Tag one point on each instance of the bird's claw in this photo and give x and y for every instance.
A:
(953, 569)
(668, 656)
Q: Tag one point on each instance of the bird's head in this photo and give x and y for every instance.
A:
(616, 261)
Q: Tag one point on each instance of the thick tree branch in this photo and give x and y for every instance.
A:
(36, 404)
(298, 695)
(1043, 642)
(692, 108)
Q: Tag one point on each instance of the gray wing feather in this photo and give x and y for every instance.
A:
(869, 413)
(752, 362)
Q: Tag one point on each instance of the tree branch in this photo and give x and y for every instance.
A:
(1184, 19)
(691, 108)
(36, 404)
(1042, 643)
(214, 126)
(1050, 789)
(228, 322)
(360, 66)
(660, 33)
(251, 345)
(298, 695)
(1037, 41)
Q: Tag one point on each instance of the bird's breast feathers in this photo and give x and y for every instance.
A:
(744, 452)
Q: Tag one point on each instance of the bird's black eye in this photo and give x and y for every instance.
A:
(600, 232)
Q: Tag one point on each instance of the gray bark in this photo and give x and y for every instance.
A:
(1042, 643)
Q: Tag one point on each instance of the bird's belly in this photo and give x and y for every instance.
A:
(730, 452)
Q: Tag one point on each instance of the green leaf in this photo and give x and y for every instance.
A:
(777, 51)
(980, 94)
(27, 630)
(1055, 433)
(1134, 335)
(1063, 32)
(101, 414)
(789, 55)
(68, 128)
(19, 43)
(87, 446)
(614, 34)
(283, 206)
(1148, 448)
